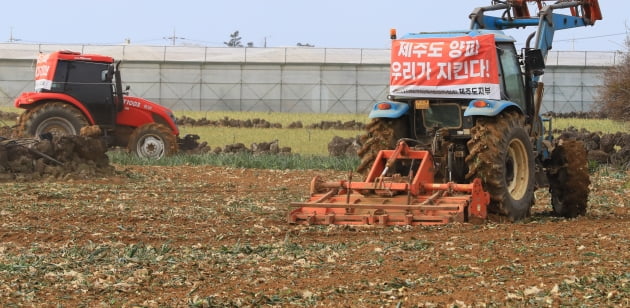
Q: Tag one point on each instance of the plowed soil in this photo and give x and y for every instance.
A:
(210, 236)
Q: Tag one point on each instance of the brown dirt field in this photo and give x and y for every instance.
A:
(217, 237)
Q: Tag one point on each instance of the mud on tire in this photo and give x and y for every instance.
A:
(56, 117)
(382, 134)
(500, 153)
(568, 178)
(153, 141)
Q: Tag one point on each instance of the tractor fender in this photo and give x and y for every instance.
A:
(488, 107)
(388, 109)
(28, 100)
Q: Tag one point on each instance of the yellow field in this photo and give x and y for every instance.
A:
(315, 142)
(592, 125)
(302, 141)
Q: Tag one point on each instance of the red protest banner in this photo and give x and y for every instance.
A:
(455, 67)
(45, 71)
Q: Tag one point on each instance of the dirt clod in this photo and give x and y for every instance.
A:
(56, 157)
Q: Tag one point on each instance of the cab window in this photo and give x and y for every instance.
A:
(511, 74)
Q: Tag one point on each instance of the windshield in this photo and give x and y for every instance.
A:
(442, 116)
(511, 74)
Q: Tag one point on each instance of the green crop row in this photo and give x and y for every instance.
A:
(244, 160)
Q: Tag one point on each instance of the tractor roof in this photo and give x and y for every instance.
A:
(77, 56)
(499, 36)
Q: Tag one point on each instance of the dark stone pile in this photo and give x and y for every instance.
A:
(261, 123)
(255, 148)
(577, 115)
(340, 146)
(348, 125)
(64, 157)
(227, 122)
(603, 148)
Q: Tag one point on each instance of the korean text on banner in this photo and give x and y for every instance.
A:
(454, 67)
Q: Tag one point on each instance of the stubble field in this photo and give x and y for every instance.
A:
(203, 236)
(206, 236)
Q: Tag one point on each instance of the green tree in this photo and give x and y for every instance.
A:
(235, 40)
(615, 93)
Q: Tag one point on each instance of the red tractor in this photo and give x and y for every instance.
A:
(73, 90)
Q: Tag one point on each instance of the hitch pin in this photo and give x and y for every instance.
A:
(348, 188)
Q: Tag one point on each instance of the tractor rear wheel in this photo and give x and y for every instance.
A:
(500, 153)
(57, 118)
(152, 141)
(382, 134)
(568, 179)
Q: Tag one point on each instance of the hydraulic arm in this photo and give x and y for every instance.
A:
(516, 15)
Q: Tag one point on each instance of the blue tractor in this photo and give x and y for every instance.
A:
(472, 100)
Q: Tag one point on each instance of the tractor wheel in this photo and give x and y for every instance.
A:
(152, 141)
(501, 155)
(568, 179)
(382, 134)
(57, 118)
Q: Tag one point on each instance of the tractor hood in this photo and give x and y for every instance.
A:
(137, 111)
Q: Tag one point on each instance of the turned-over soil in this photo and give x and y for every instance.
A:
(217, 237)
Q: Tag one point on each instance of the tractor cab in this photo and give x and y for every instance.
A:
(86, 78)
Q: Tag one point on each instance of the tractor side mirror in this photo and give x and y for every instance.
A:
(108, 74)
(534, 61)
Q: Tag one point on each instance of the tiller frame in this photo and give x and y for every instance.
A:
(384, 199)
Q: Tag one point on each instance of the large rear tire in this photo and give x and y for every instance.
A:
(569, 179)
(152, 141)
(500, 153)
(58, 118)
(382, 134)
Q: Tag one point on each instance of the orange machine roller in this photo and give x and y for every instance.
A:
(388, 198)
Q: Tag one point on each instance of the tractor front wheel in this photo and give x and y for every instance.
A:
(568, 179)
(152, 141)
(500, 153)
(57, 118)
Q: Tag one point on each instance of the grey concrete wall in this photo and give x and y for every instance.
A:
(281, 79)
